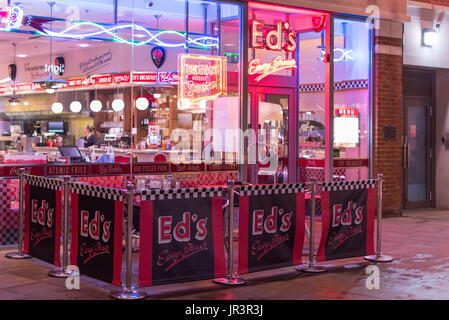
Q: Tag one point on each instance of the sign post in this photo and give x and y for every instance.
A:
(232, 278)
(379, 257)
(19, 254)
(311, 266)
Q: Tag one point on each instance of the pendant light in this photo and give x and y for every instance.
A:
(76, 106)
(118, 104)
(14, 99)
(50, 84)
(142, 103)
(96, 105)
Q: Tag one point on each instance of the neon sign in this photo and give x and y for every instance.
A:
(276, 64)
(340, 54)
(13, 18)
(272, 40)
(200, 78)
(346, 112)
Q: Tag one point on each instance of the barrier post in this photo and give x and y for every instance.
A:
(63, 272)
(311, 266)
(19, 254)
(128, 291)
(232, 278)
(379, 257)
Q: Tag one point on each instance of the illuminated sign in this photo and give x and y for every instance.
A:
(14, 18)
(340, 54)
(200, 78)
(347, 112)
(276, 64)
(272, 40)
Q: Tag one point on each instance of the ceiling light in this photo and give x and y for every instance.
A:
(83, 45)
(139, 35)
(142, 103)
(22, 55)
(50, 90)
(118, 105)
(57, 107)
(14, 103)
(75, 106)
(96, 106)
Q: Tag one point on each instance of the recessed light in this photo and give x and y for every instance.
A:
(139, 35)
(22, 55)
(83, 45)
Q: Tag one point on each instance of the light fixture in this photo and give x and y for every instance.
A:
(57, 107)
(22, 55)
(50, 90)
(96, 106)
(118, 105)
(26, 103)
(429, 37)
(142, 103)
(83, 45)
(14, 103)
(156, 95)
(75, 106)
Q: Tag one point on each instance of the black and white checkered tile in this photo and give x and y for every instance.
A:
(9, 236)
(43, 182)
(348, 185)
(343, 85)
(260, 190)
(96, 191)
(183, 193)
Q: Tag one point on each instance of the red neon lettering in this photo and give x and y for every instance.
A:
(276, 64)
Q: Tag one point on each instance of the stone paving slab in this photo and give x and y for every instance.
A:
(418, 241)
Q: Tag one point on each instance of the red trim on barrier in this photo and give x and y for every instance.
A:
(243, 234)
(118, 235)
(27, 215)
(57, 261)
(370, 221)
(146, 243)
(217, 225)
(299, 232)
(325, 220)
(75, 230)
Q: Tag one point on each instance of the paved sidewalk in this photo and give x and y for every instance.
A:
(418, 241)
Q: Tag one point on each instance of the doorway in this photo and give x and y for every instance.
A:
(272, 117)
(418, 138)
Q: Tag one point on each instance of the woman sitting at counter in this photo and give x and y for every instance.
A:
(90, 139)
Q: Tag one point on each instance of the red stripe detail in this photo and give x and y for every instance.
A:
(118, 236)
(75, 230)
(217, 229)
(299, 230)
(27, 219)
(243, 234)
(146, 244)
(325, 216)
(370, 221)
(57, 260)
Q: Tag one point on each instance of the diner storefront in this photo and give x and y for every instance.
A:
(184, 93)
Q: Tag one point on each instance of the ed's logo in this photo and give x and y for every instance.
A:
(345, 217)
(269, 225)
(182, 230)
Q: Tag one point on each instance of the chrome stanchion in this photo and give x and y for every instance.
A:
(232, 278)
(19, 254)
(128, 291)
(311, 265)
(64, 272)
(379, 257)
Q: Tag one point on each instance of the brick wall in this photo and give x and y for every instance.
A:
(389, 112)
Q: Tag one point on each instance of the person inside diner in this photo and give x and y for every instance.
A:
(90, 139)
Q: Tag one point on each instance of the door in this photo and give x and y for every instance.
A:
(418, 153)
(272, 117)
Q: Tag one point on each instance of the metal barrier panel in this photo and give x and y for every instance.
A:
(181, 235)
(97, 230)
(43, 210)
(347, 219)
(271, 226)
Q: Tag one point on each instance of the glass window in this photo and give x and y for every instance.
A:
(352, 63)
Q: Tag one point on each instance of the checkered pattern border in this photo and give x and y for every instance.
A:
(96, 191)
(182, 193)
(265, 189)
(348, 185)
(343, 85)
(9, 236)
(43, 182)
